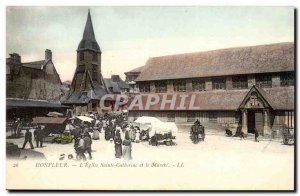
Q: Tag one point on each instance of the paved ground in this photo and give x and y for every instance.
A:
(218, 162)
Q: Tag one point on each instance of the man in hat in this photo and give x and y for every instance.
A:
(80, 148)
(38, 136)
(88, 144)
(28, 138)
(256, 134)
(16, 128)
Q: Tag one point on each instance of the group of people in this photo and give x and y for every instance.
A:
(38, 137)
(115, 129)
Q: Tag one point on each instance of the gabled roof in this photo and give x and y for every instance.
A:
(231, 61)
(261, 94)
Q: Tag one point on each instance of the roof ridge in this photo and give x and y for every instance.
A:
(221, 49)
(33, 62)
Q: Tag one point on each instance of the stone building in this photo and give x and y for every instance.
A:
(32, 88)
(239, 88)
(36, 80)
(88, 85)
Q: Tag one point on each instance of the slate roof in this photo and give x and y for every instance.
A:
(83, 97)
(16, 103)
(88, 41)
(231, 61)
(109, 83)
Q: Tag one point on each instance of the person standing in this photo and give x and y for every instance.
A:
(28, 138)
(256, 135)
(16, 128)
(88, 144)
(118, 146)
(81, 148)
(132, 134)
(127, 147)
(38, 136)
(137, 136)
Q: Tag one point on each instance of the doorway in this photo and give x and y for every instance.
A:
(251, 121)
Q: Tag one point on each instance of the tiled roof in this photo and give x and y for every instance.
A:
(136, 70)
(231, 61)
(280, 98)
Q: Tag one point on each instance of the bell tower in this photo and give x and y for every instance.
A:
(88, 74)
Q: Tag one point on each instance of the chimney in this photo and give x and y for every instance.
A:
(15, 58)
(48, 54)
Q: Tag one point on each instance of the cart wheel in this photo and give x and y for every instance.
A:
(286, 141)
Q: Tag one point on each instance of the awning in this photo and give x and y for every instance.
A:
(85, 118)
(49, 120)
(54, 114)
(27, 103)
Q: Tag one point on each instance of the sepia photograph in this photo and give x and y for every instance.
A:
(150, 98)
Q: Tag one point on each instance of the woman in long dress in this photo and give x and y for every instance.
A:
(127, 147)
(137, 136)
(118, 146)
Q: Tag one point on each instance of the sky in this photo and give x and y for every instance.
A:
(129, 36)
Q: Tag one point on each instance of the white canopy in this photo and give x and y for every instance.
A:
(85, 118)
(147, 120)
(156, 126)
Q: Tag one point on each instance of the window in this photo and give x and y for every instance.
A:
(144, 87)
(198, 85)
(287, 79)
(81, 56)
(218, 83)
(191, 117)
(95, 57)
(179, 86)
(240, 82)
(171, 117)
(213, 117)
(161, 87)
(264, 80)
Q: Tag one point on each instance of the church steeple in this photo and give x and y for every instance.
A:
(88, 41)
